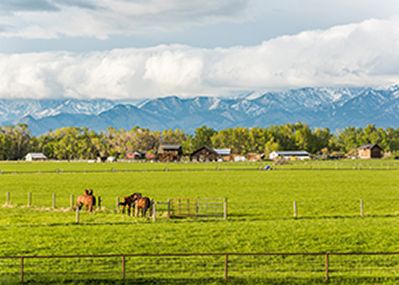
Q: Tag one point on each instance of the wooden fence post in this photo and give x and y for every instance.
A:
(225, 209)
(53, 201)
(154, 211)
(22, 271)
(327, 264)
(196, 207)
(72, 201)
(226, 268)
(123, 267)
(77, 219)
(361, 208)
(99, 202)
(168, 208)
(29, 199)
(295, 210)
(8, 198)
(117, 204)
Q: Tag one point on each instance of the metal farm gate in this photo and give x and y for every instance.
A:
(197, 208)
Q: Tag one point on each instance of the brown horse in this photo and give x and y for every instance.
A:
(142, 204)
(87, 199)
(129, 202)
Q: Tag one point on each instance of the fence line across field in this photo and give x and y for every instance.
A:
(197, 207)
(205, 169)
(228, 261)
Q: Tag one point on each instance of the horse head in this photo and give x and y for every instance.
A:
(136, 196)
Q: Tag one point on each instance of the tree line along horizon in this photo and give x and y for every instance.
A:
(81, 143)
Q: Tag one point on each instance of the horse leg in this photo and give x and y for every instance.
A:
(136, 211)
(128, 210)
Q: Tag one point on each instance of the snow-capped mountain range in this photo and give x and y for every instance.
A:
(334, 108)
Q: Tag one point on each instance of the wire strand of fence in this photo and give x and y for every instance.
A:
(217, 265)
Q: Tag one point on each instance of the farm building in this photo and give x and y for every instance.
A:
(290, 155)
(255, 156)
(150, 156)
(35, 156)
(223, 153)
(238, 158)
(204, 154)
(169, 152)
(135, 155)
(369, 151)
(111, 159)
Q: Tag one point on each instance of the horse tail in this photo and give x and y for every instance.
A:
(149, 203)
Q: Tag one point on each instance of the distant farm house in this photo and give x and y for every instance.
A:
(369, 151)
(290, 155)
(255, 156)
(135, 155)
(169, 152)
(204, 154)
(35, 156)
(224, 154)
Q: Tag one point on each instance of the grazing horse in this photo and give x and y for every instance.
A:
(128, 202)
(142, 204)
(87, 199)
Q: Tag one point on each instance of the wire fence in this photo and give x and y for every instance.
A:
(264, 166)
(216, 208)
(184, 268)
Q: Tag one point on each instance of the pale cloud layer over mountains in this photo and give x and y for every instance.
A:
(363, 54)
(304, 45)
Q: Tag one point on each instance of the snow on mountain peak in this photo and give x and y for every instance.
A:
(319, 107)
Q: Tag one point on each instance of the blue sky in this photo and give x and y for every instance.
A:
(122, 49)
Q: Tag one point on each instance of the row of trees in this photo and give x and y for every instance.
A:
(82, 143)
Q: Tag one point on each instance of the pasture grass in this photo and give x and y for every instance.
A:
(260, 220)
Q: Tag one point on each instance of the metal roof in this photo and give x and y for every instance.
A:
(204, 147)
(170, 146)
(36, 155)
(293, 153)
(369, 146)
(222, 151)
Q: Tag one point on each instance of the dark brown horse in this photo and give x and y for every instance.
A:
(87, 199)
(142, 204)
(129, 202)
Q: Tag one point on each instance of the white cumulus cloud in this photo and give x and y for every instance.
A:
(46, 19)
(360, 54)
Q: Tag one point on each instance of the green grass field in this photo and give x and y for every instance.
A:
(260, 220)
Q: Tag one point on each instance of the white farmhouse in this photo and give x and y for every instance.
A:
(290, 155)
(35, 156)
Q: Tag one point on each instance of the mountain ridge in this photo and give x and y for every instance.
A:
(335, 108)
